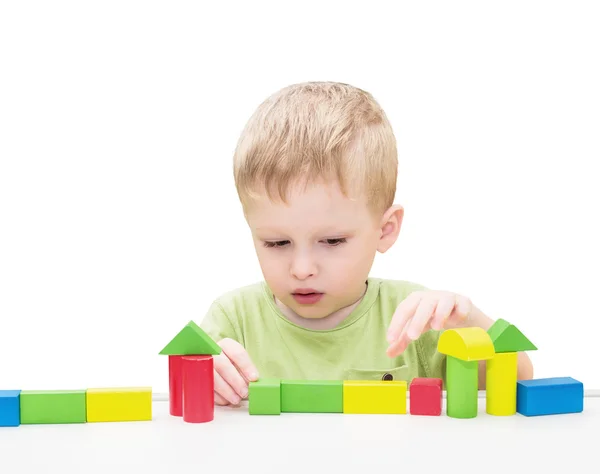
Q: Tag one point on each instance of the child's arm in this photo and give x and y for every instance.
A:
(425, 310)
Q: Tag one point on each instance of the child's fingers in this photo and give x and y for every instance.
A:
(402, 315)
(231, 375)
(398, 346)
(443, 311)
(238, 356)
(219, 400)
(421, 318)
(463, 307)
(225, 390)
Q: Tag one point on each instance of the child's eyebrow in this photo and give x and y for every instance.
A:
(327, 231)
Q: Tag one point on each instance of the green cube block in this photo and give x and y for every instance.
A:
(264, 397)
(53, 406)
(312, 396)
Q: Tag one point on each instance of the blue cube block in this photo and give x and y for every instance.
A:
(10, 407)
(549, 396)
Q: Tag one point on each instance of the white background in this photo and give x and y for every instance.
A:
(114, 232)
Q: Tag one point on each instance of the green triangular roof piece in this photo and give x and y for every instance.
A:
(508, 338)
(191, 340)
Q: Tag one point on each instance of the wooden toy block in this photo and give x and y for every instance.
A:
(472, 343)
(464, 348)
(312, 396)
(501, 384)
(119, 404)
(426, 396)
(549, 396)
(175, 386)
(10, 410)
(374, 397)
(191, 340)
(264, 397)
(508, 338)
(198, 386)
(462, 383)
(52, 406)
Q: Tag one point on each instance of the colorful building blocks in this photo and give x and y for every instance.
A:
(508, 338)
(549, 396)
(426, 395)
(464, 348)
(191, 340)
(10, 410)
(264, 397)
(501, 384)
(119, 404)
(468, 344)
(501, 370)
(175, 385)
(198, 388)
(374, 397)
(462, 388)
(312, 396)
(53, 406)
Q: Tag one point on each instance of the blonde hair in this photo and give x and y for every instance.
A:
(318, 130)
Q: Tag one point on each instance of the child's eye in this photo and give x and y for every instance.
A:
(277, 243)
(334, 242)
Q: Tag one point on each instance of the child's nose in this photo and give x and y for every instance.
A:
(303, 266)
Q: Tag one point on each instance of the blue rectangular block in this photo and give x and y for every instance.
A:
(10, 408)
(549, 396)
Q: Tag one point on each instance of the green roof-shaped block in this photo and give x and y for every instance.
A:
(508, 338)
(191, 340)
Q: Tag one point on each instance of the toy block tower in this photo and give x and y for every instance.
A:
(501, 370)
(464, 348)
(191, 377)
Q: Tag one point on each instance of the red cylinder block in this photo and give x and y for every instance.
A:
(175, 385)
(198, 388)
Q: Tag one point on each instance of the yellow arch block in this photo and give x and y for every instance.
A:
(468, 344)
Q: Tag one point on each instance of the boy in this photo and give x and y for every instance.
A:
(315, 170)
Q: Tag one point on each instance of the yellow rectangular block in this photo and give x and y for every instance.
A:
(375, 397)
(119, 404)
(501, 384)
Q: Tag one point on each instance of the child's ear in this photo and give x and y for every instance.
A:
(391, 222)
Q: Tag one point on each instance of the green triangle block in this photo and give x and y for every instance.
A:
(508, 338)
(191, 340)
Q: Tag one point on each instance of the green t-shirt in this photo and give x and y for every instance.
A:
(354, 350)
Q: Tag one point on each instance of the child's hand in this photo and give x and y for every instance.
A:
(424, 310)
(233, 371)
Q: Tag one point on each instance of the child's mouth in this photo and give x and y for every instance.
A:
(306, 297)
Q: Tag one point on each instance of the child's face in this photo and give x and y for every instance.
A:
(320, 242)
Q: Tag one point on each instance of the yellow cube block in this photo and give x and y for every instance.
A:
(375, 397)
(119, 404)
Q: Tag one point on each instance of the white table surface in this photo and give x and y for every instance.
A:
(236, 442)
